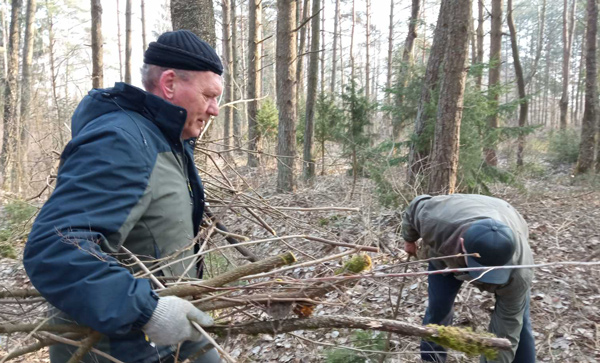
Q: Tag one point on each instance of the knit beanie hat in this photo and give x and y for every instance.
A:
(182, 49)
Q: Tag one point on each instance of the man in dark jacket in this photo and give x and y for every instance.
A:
(467, 224)
(127, 179)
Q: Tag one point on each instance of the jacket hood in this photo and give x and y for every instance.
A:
(124, 97)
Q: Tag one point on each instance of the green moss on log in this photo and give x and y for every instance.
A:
(462, 339)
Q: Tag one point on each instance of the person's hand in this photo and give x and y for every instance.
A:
(410, 248)
(171, 322)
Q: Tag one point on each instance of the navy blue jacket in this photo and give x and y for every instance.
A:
(125, 179)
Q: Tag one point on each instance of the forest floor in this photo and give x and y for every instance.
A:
(562, 212)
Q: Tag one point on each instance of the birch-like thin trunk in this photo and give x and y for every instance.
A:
(254, 77)
(119, 41)
(494, 78)
(524, 102)
(335, 45)
(11, 89)
(97, 45)
(143, 18)
(237, 91)
(311, 94)
(128, 41)
(227, 65)
(25, 114)
(567, 36)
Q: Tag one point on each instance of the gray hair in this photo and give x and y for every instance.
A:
(151, 74)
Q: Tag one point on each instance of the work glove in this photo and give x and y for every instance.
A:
(170, 322)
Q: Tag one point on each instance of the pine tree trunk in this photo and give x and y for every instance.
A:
(237, 94)
(407, 61)
(22, 142)
(197, 16)
(524, 103)
(311, 94)
(143, 18)
(11, 89)
(254, 77)
(335, 44)
(352, 67)
(322, 52)
(590, 113)
(367, 51)
(494, 78)
(452, 88)
(479, 77)
(538, 53)
(54, 75)
(128, 41)
(388, 82)
(227, 65)
(97, 45)
(567, 35)
(301, 47)
(119, 41)
(420, 151)
(286, 94)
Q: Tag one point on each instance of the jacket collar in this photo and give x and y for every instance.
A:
(167, 116)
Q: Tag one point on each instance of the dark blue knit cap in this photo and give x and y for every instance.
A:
(495, 242)
(182, 49)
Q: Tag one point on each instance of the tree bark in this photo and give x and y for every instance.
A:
(419, 152)
(11, 120)
(25, 113)
(335, 45)
(236, 94)
(590, 113)
(97, 45)
(286, 94)
(479, 77)
(227, 65)
(567, 36)
(254, 77)
(143, 18)
(407, 61)
(197, 16)
(524, 103)
(538, 53)
(311, 94)
(447, 129)
(301, 47)
(367, 51)
(494, 78)
(388, 82)
(322, 51)
(128, 41)
(119, 41)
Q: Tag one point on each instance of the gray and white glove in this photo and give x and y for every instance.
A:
(170, 322)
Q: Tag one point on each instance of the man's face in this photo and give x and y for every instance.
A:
(199, 95)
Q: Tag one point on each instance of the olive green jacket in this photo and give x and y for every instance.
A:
(441, 220)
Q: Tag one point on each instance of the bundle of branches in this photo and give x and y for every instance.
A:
(264, 294)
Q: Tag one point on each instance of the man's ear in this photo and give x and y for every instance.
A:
(166, 84)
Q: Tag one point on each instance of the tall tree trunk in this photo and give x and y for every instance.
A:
(540, 44)
(322, 51)
(54, 74)
(311, 94)
(4, 30)
(254, 77)
(97, 45)
(143, 17)
(524, 103)
(286, 97)
(301, 47)
(418, 157)
(590, 113)
(25, 113)
(197, 16)
(352, 67)
(407, 62)
(227, 64)
(128, 41)
(335, 45)
(580, 73)
(567, 35)
(479, 77)
(367, 50)
(494, 78)
(390, 70)
(119, 41)
(452, 88)
(11, 120)
(237, 94)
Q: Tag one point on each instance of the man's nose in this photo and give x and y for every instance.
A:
(213, 108)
